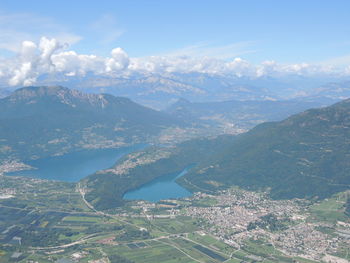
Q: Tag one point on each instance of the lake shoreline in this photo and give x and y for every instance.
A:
(74, 166)
(161, 188)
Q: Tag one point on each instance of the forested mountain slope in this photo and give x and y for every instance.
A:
(42, 121)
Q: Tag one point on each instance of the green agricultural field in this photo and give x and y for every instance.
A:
(59, 231)
(344, 252)
(178, 225)
(158, 252)
(83, 219)
(207, 201)
(260, 248)
(331, 209)
(211, 242)
(189, 248)
(304, 260)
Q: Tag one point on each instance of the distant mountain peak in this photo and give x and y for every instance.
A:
(64, 95)
(37, 91)
(43, 91)
(42, 121)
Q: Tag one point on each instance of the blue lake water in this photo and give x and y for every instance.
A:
(74, 166)
(163, 187)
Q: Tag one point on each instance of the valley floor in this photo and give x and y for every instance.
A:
(46, 221)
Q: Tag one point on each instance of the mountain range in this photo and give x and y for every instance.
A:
(237, 116)
(42, 121)
(303, 156)
(53, 120)
(306, 155)
(160, 90)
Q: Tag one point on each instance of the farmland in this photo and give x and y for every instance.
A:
(48, 221)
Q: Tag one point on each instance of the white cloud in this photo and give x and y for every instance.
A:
(186, 64)
(47, 47)
(28, 50)
(72, 64)
(23, 75)
(33, 60)
(303, 69)
(50, 57)
(241, 68)
(118, 61)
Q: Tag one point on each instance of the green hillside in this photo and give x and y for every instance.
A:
(306, 155)
(42, 121)
(106, 188)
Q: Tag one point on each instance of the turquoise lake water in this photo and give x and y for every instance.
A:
(163, 187)
(74, 166)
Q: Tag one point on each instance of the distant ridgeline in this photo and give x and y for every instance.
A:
(42, 121)
(243, 114)
(306, 155)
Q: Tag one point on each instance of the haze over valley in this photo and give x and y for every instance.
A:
(174, 132)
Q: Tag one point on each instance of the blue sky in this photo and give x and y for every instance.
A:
(284, 31)
(121, 39)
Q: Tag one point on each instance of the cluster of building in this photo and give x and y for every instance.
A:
(305, 239)
(6, 193)
(10, 186)
(235, 210)
(137, 159)
(13, 166)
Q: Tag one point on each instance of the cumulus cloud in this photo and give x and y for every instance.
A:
(50, 57)
(27, 59)
(186, 64)
(118, 61)
(272, 68)
(47, 47)
(72, 64)
(33, 60)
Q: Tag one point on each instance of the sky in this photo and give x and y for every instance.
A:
(289, 33)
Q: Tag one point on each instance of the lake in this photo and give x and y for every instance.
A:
(74, 166)
(163, 187)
